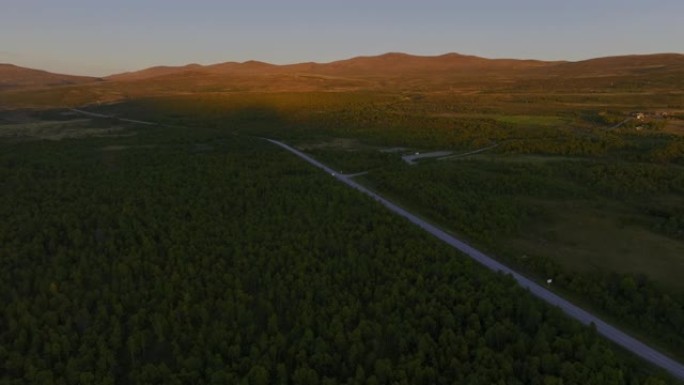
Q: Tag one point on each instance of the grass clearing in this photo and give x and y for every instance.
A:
(127, 147)
(533, 120)
(518, 120)
(58, 130)
(515, 158)
(583, 237)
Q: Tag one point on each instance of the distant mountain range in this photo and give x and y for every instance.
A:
(391, 70)
(390, 64)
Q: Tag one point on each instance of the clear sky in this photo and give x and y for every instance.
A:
(98, 37)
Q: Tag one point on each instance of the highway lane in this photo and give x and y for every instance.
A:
(608, 331)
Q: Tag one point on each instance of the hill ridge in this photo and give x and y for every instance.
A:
(396, 70)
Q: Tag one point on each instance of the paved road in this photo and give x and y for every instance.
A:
(410, 159)
(87, 113)
(495, 145)
(610, 332)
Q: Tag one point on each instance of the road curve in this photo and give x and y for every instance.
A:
(610, 332)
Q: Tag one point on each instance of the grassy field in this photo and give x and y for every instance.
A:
(31, 125)
(533, 120)
(58, 130)
(583, 237)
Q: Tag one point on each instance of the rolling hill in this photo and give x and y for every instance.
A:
(389, 64)
(15, 77)
(621, 65)
(404, 71)
(390, 72)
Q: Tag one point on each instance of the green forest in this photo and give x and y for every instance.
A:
(195, 256)
(556, 166)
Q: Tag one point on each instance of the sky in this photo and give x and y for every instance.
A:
(95, 37)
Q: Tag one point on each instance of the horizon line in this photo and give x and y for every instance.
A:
(29, 67)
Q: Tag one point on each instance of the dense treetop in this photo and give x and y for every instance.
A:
(177, 256)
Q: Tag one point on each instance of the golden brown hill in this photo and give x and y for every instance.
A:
(400, 71)
(400, 64)
(391, 72)
(388, 71)
(390, 64)
(152, 72)
(658, 72)
(15, 77)
(620, 65)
